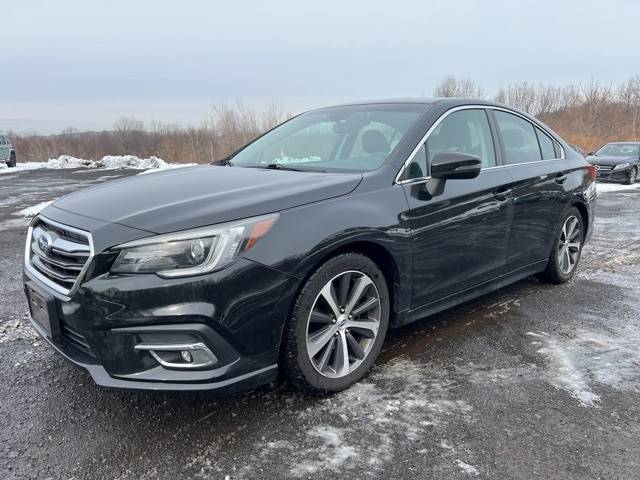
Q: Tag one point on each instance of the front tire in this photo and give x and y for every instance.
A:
(567, 248)
(337, 325)
(633, 176)
(12, 160)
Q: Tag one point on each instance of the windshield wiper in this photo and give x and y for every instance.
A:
(224, 162)
(279, 166)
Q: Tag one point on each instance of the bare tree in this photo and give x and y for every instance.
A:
(130, 134)
(629, 95)
(459, 87)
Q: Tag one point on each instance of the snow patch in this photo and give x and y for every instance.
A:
(331, 452)
(466, 468)
(615, 187)
(359, 428)
(592, 357)
(20, 167)
(109, 162)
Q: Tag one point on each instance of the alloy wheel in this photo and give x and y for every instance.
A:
(343, 324)
(569, 245)
(633, 175)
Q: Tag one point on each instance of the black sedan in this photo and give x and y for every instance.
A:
(295, 255)
(617, 162)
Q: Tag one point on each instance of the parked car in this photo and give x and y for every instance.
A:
(578, 149)
(7, 152)
(299, 254)
(617, 162)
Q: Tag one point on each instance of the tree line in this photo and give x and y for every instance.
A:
(228, 128)
(586, 114)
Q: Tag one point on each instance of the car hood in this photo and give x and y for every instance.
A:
(609, 160)
(204, 195)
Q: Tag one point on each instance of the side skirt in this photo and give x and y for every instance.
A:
(411, 315)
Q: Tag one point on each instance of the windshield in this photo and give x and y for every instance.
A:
(620, 150)
(349, 138)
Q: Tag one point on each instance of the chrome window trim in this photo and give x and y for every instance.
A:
(63, 293)
(541, 127)
(473, 107)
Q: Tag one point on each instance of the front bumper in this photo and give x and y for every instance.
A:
(238, 313)
(613, 175)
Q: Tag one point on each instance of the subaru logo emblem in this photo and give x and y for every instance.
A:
(597, 167)
(45, 242)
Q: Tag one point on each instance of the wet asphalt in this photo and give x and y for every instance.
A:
(533, 381)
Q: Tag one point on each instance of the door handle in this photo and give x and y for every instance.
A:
(503, 194)
(561, 177)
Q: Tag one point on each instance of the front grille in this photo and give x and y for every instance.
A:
(58, 254)
(604, 168)
(75, 339)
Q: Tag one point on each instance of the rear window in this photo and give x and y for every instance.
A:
(518, 137)
(547, 147)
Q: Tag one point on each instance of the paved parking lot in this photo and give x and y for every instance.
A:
(533, 381)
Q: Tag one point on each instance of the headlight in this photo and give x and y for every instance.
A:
(622, 166)
(191, 252)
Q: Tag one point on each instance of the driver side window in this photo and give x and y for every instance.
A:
(464, 131)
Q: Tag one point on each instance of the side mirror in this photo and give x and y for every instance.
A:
(589, 154)
(455, 166)
(451, 166)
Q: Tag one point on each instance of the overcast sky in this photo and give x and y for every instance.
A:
(86, 63)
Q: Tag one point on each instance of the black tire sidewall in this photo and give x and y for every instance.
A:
(12, 160)
(563, 277)
(303, 371)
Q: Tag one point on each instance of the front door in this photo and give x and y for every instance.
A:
(460, 236)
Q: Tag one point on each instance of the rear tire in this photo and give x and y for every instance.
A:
(566, 251)
(633, 176)
(337, 325)
(12, 160)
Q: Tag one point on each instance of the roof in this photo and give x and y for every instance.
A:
(451, 101)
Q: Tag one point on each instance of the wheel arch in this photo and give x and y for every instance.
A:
(584, 213)
(378, 253)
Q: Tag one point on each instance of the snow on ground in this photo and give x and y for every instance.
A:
(583, 360)
(359, 429)
(466, 468)
(109, 162)
(615, 187)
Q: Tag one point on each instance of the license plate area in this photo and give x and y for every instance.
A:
(43, 310)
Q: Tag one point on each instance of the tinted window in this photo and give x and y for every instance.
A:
(559, 149)
(518, 137)
(358, 137)
(620, 150)
(2, 140)
(546, 145)
(465, 131)
(417, 167)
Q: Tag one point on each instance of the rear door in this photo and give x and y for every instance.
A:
(532, 158)
(4, 149)
(459, 237)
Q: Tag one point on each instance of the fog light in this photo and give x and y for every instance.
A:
(193, 355)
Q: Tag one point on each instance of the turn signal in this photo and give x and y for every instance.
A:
(258, 231)
(593, 173)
